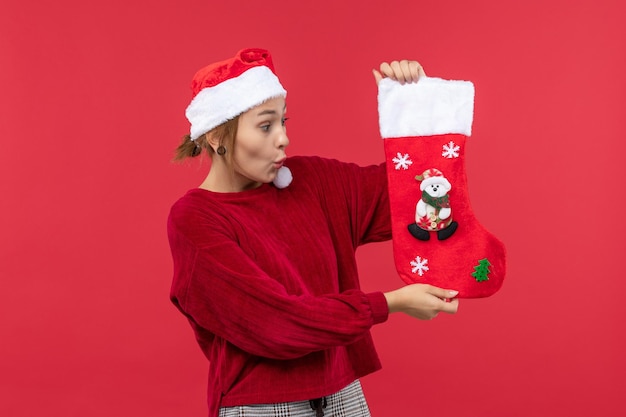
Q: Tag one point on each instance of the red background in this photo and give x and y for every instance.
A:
(92, 98)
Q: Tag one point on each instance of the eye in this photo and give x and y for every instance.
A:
(265, 127)
(284, 120)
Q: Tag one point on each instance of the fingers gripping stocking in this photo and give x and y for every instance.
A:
(436, 238)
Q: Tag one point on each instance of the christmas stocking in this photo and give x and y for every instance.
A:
(436, 238)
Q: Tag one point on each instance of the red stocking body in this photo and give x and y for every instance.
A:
(436, 237)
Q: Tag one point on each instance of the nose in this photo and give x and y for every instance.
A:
(283, 140)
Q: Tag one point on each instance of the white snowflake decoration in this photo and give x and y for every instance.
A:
(450, 150)
(419, 266)
(402, 161)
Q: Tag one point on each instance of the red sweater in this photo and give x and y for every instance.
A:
(269, 282)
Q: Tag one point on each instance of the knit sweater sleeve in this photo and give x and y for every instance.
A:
(222, 290)
(357, 196)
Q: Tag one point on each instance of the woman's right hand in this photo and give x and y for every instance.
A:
(422, 301)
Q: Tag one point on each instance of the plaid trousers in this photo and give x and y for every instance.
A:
(349, 402)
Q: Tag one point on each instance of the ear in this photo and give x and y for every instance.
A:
(212, 140)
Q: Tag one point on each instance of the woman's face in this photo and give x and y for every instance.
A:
(260, 144)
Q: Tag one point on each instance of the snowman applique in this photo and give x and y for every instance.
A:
(433, 212)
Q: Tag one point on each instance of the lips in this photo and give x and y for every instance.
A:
(279, 163)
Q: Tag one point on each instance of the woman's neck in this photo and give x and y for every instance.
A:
(221, 179)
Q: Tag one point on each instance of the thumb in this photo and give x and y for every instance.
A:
(443, 293)
(377, 76)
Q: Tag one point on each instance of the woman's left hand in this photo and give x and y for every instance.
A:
(404, 71)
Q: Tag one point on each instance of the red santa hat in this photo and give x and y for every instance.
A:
(225, 89)
(432, 176)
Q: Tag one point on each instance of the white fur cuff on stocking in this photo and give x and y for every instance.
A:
(431, 106)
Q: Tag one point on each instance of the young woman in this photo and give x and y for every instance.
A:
(264, 253)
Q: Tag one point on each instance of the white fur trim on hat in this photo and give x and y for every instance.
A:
(431, 106)
(215, 105)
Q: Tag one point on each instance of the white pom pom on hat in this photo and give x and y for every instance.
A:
(283, 177)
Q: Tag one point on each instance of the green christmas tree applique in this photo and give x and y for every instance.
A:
(481, 271)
